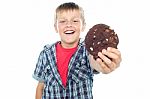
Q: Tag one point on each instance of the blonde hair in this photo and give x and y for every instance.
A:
(69, 6)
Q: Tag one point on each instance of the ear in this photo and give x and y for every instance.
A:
(83, 27)
(56, 29)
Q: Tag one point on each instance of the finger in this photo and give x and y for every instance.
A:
(113, 66)
(103, 67)
(115, 54)
(110, 54)
(104, 58)
(110, 62)
(114, 50)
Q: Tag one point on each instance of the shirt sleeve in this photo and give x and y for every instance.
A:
(39, 73)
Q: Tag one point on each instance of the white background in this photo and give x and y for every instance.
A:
(27, 25)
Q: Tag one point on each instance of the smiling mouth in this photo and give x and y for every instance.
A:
(69, 32)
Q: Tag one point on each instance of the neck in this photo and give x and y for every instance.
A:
(69, 45)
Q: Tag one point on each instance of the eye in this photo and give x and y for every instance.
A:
(75, 21)
(62, 21)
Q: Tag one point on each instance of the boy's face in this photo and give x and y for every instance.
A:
(69, 25)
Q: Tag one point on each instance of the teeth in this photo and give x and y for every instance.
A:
(67, 32)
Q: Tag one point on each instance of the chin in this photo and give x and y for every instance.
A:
(72, 41)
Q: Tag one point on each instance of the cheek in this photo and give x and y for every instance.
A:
(60, 28)
(81, 28)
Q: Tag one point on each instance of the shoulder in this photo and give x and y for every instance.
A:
(49, 47)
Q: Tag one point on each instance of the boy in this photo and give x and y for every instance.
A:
(65, 69)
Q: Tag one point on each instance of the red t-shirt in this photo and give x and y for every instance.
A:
(63, 56)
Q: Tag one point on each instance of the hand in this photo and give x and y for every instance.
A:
(108, 65)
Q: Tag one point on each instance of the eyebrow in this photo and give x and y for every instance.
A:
(71, 18)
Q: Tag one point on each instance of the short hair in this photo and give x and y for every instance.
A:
(69, 6)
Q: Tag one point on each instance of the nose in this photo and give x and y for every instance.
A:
(69, 23)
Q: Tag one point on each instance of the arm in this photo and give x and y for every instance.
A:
(39, 90)
(105, 65)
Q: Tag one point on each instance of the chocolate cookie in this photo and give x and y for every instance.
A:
(99, 37)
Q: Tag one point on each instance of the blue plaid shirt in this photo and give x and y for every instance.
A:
(80, 75)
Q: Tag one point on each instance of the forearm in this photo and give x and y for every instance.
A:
(39, 91)
(38, 94)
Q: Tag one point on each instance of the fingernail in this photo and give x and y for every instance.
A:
(99, 53)
(98, 59)
(108, 48)
(104, 50)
